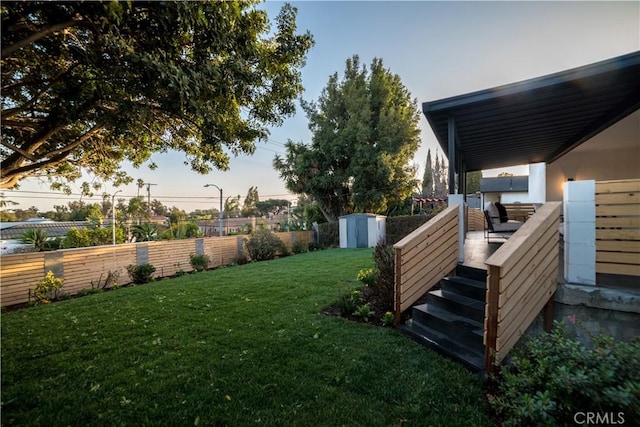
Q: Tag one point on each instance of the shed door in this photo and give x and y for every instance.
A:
(362, 233)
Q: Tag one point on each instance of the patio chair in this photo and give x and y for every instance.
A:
(498, 225)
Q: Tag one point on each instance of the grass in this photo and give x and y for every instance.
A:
(236, 346)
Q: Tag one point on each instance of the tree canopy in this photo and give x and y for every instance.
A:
(365, 132)
(86, 85)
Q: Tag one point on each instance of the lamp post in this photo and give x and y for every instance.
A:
(220, 214)
(113, 216)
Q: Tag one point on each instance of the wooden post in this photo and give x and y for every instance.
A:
(398, 287)
(548, 315)
(491, 327)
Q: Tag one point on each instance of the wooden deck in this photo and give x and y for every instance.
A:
(477, 250)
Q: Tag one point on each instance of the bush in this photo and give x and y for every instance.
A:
(34, 236)
(397, 227)
(329, 235)
(366, 276)
(263, 245)
(141, 273)
(384, 280)
(349, 301)
(299, 247)
(552, 377)
(199, 262)
(110, 281)
(47, 289)
(86, 237)
(313, 246)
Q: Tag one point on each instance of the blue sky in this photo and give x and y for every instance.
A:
(439, 49)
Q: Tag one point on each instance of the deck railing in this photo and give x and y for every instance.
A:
(618, 227)
(522, 278)
(424, 257)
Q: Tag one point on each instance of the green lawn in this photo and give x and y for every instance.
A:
(236, 346)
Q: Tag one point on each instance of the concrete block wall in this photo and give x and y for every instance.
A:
(580, 232)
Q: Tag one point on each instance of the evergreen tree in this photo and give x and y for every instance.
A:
(365, 132)
(249, 208)
(427, 179)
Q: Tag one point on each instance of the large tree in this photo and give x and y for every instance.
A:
(86, 85)
(249, 207)
(365, 132)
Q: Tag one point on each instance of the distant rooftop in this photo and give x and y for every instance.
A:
(505, 184)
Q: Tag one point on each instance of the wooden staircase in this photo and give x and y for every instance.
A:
(452, 319)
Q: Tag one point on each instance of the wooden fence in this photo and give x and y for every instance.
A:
(424, 257)
(522, 278)
(83, 266)
(475, 220)
(618, 227)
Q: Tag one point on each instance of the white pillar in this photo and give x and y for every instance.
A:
(538, 183)
(458, 199)
(579, 210)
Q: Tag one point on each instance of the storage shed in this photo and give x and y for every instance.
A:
(361, 230)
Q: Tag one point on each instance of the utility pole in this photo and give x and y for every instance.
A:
(149, 197)
(113, 216)
(220, 214)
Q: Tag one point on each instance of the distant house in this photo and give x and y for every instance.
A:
(10, 232)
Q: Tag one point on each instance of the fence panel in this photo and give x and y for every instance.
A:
(83, 268)
(171, 257)
(618, 227)
(20, 273)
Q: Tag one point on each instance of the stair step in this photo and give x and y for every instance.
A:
(463, 286)
(471, 273)
(457, 304)
(459, 328)
(444, 345)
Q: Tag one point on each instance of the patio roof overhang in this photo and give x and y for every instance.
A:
(536, 120)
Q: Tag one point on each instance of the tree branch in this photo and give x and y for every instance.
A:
(54, 157)
(40, 34)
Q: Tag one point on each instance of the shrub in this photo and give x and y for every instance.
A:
(329, 235)
(111, 280)
(47, 289)
(313, 246)
(86, 237)
(364, 311)
(34, 236)
(398, 227)
(141, 273)
(199, 262)
(53, 244)
(348, 302)
(384, 280)
(388, 319)
(299, 247)
(552, 377)
(145, 232)
(263, 245)
(366, 276)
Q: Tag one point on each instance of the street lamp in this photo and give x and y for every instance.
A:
(220, 214)
(113, 216)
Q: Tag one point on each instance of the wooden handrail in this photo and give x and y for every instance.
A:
(521, 280)
(424, 257)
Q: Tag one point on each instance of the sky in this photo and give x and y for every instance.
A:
(439, 49)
